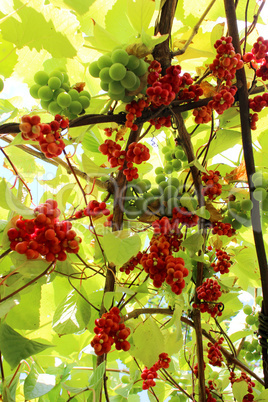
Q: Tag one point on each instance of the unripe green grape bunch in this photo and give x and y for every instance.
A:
(119, 73)
(57, 96)
(174, 159)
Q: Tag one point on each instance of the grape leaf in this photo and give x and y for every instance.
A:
(10, 202)
(37, 384)
(148, 342)
(94, 170)
(15, 347)
(140, 13)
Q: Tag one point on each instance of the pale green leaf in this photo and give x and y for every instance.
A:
(37, 384)
(224, 140)
(96, 377)
(263, 397)
(93, 170)
(102, 40)
(148, 342)
(118, 13)
(7, 305)
(202, 213)
(8, 57)
(152, 41)
(140, 13)
(72, 314)
(193, 243)
(119, 247)
(240, 389)
(10, 202)
(15, 347)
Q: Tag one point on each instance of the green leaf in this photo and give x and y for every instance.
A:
(263, 397)
(93, 170)
(193, 243)
(72, 314)
(140, 13)
(119, 247)
(148, 342)
(10, 202)
(36, 384)
(79, 6)
(91, 142)
(63, 195)
(7, 305)
(118, 13)
(202, 213)
(224, 140)
(198, 165)
(13, 30)
(240, 389)
(102, 40)
(97, 375)
(8, 54)
(26, 315)
(152, 41)
(186, 201)
(15, 347)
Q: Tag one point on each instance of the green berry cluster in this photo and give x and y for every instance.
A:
(119, 73)
(260, 181)
(238, 213)
(57, 96)
(174, 159)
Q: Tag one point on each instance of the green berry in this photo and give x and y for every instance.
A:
(179, 154)
(246, 205)
(105, 76)
(168, 169)
(168, 156)
(74, 94)
(129, 81)
(54, 108)
(45, 93)
(159, 170)
(247, 309)
(259, 194)
(165, 149)
(170, 192)
(41, 78)
(54, 83)
(117, 72)
(64, 99)
(94, 69)
(159, 178)
(142, 69)
(57, 74)
(85, 93)
(104, 61)
(259, 300)
(34, 91)
(133, 62)
(176, 165)
(84, 101)
(250, 320)
(116, 88)
(120, 56)
(75, 107)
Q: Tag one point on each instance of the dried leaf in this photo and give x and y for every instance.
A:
(208, 89)
(238, 174)
(138, 49)
(215, 215)
(216, 242)
(79, 86)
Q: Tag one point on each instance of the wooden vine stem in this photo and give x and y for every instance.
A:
(250, 168)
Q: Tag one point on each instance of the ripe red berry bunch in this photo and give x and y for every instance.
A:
(135, 109)
(195, 369)
(209, 291)
(176, 271)
(44, 235)
(223, 99)
(161, 122)
(212, 187)
(226, 63)
(116, 156)
(202, 114)
(48, 135)
(222, 228)
(131, 264)
(251, 384)
(136, 153)
(94, 208)
(214, 353)
(210, 398)
(148, 375)
(154, 71)
(258, 102)
(258, 52)
(110, 330)
(253, 117)
(223, 262)
(184, 217)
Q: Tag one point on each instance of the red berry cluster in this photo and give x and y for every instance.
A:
(212, 187)
(258, 102)
(192, 92)
(223, 100)
(226, 63)
(148, 375)
(154, 71)
(184, 217)
(162, 266)
(214, 353)
(161, 122)
(110, 330)
(222, 228)
(94, 208)
(209, 291)
(253, 119)
(44, 235)
(195, 369)
(48, 135)
(109, 221)
(211, 387)
(260, 48)
(213, 309)
(108, 131)
(262, 72)
(223, 262)
(137, 153)
(165, 226)
(251, 384)
(135, 109)
(131, 264)
(202, 114)
(116, 156)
